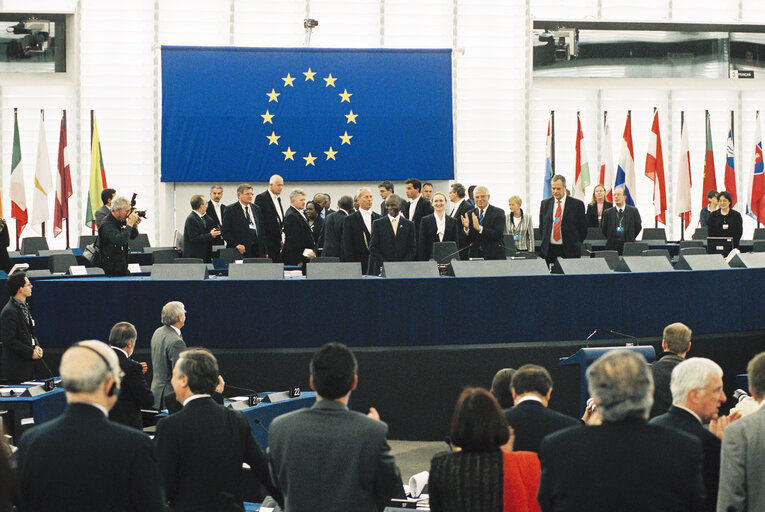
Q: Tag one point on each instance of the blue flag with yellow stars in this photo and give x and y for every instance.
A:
(307, 114)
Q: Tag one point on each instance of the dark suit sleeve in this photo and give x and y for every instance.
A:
(638, 224)
(388, 479)
(291, 251)
(11, 330)
(374, 243)
(422, 243)
(254, 456)
(260, 226)
(168, 455)
(581, 221)
(227, 225)
(146, 492)
(605, 226)
(411, 250)
(196, 229)
(135, 380)
(346, 241)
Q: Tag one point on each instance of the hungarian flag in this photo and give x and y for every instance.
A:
(654, 171)
(710, 180)
(730, 167)
(625, 173)
(683, 196)
(607, 161)
(18, 195)
(755, 204)
(581, 166)
(63, 182)
(549, 164)
(43, 181)
(97, 178)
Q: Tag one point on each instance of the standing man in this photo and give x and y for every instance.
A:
(393, 237)
(416, 208)
(357, 230)
(107, 195)
(115, 232)
(562, 222)
(270, 204)
(215, 209)
(427, 191)
(328, 457)
(621, 223)
(135, 394)
(17, 328)
(675, 344)
(386, 188)
(298, 239)
(332, 235)
(327, 206)
(243, 227)
(460, 206)
(166, 346)
(485, 227)
(197, 235)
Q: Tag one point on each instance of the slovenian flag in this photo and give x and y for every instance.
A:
(755, 204)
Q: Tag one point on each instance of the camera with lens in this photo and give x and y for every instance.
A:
(141, 213)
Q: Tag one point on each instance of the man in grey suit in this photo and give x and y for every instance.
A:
(328, 457)
(166, 345)
(107, 195)
(742, 467)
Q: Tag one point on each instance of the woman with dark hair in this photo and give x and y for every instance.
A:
(315, 222)
(483, 475)
(725, 221)
(708, 209)
(500, 387)
(597, 206)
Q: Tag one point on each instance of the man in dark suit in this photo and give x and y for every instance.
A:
(675, 344)
(243, 225)
(438, 227)
(81, 460)
(697, 392)
(621, 223)
(119, 227)
(330, 448)
(205, 433)
(357, 231)
(19, 345)
(270, 204)
(562, 222)
(386, 188)
(197, 235)
(459, 203)
(298, 239)
(393, 237)
(614, 466)
(215, 209)
(331, 236)
(327, 206)
(417, 207)
(166, 346)
(135, 394)
(107, 195)
(530, 417)
(485, 227)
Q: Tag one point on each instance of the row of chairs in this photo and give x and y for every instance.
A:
(38, 245)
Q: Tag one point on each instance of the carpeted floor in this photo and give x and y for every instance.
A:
(414, 456)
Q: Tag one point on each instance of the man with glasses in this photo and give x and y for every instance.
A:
(20, 347)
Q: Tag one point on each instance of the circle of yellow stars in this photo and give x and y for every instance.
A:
(329, 81)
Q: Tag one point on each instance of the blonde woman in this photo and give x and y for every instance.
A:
(597, 206)
(519, 225)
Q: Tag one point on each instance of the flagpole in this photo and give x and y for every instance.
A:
(757, 116)
(42, 118)
(16, 119)
(655, 219)
(682, 218)
(552, 142)
(66, 199)
(92, 226)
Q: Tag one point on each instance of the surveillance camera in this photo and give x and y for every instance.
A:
(310, 24)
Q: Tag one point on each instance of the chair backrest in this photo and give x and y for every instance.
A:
(700, 234)
(138, 243)
(595, 234)
(690, 251)
(33, 244)
(611, 257)
(230, 255)
(634, 248)
(657, 252)
(256, 260)
(61, 262)
(758, 246)
(654, 234)
(759, 234)
(164, 256)
(188, 260)
(691, 243)
(95, 271)
(444, 252)
(326, 259)
(509, 245)
(86, 240)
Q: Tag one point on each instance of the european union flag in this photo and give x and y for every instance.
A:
(243, 114)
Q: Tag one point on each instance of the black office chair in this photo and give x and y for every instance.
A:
(700, 234)
(86, 240)
(61, 262)
(691, 243)
(657, 252)
(164, 256)
(444, 252)
(759, 234)
(655, 235)
(611, 257)
(595, 234)
(138, 243)
(634, 248)
(690, 251)
(230, 255)
(32, 244)
(758, 246)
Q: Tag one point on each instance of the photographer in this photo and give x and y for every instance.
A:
(114, 234)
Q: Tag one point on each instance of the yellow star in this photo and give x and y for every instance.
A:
(309, 160)
(351, 117)
(273, 96)
(288, 155)
(330, 80)
(331, 154)
(346, 138)
(309, 75)
(273, 138)
(288, 80)
(346, 96)
(267, 117)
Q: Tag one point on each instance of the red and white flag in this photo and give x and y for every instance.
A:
(63, 182)
(654, 171)
(683, 196)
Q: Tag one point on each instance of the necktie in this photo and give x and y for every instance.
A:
(621, 211)
(480, 217)
(249, 218)
(394, 223)
(281, 210)
(556, 225)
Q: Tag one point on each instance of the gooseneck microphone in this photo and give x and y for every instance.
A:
(637, 342)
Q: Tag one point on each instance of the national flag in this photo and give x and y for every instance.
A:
(97, 177)
(625, 172)
(607, 161)
(683, 195)
(581, 166)
(63, 182)
(18, 195)
(755, 204)
(549, 165)
(730, 168)
(43, 181)
(710, 179)
(654, 170)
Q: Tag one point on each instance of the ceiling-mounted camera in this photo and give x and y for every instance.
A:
(36, 37)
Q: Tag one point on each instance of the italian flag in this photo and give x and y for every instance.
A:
(18, 195)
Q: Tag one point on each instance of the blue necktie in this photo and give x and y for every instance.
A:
(480, 217)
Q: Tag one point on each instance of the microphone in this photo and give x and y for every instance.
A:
(448, 256)
(47, 367)
(588, 338)
(237, 388)
(637, 343)
(258, 423)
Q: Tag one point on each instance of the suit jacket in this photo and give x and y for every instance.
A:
(463, 208)
(592, 213)
(135, 394)
(742, 467)
(331, 237)
(734, 224)
(166, 346)
(423, 208)
(630, 223)
(297, 237)
(197, 240)
(82, 461)
(316, 231)
(524, 230)
(213, 221)
(662, 372)
(100, 215)
(113, 238)
(573, 227)
(17, 337)
(356, 237)
(490, 244)
(680, 419)
(428, 235)
(272, 224)
(532, 422)
(5, 241)
(385, 246)
(236, 230)
(626, 466)
(201, 434)
(328, 447)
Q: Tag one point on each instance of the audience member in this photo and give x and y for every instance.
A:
(166, 345)
(438, 227)
(386, 188)
(332, 234)
(205, 433)
(357, 230)
(742, 467)
(17, 332)
(115, 232)
(500, 387)
(81, 460)
(243, 225)
(416, 208)
(675, 344)
(393, 237)
(197, 235)
(624, 464)
(620, 223)
(485, 228)
(481, 476)
(427, 191)
(562, 223)
(725, 221)
(519, 225)
(270, 204)
(298, 239)
(315, 222)
(531, 419)
(107, 195)
(708, 209)
(330, 458)
(598, 205)
(135, 393)
(460, 206)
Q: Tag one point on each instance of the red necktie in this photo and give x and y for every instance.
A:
(556, 225)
